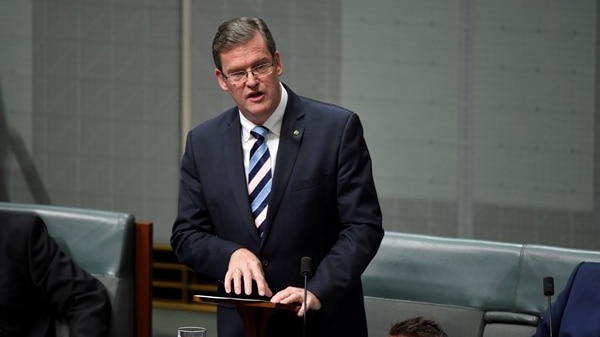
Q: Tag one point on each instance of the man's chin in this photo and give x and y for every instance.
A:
(257, 116)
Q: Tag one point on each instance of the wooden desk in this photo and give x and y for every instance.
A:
(255, 313)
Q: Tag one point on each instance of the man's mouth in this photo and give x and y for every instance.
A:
(255, 96)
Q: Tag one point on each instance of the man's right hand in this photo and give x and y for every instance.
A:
(244, 267)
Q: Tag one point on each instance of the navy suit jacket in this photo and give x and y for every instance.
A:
(323, 205)
(39, 284)
(576, 310)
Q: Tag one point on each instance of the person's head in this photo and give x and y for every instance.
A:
(417, 327)
(239, 46)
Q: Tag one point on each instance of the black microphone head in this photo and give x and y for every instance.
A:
(548, 286)
(306, 265)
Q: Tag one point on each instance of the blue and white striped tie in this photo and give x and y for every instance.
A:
(259, 177)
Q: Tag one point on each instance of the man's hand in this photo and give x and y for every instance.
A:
(296, 295)
(244, 267)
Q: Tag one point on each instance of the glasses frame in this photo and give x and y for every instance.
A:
(244, 73)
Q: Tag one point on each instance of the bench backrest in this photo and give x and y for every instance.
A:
(104, 244)
(501, 281)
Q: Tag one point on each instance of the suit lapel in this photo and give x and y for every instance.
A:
(292, 130)
(234, 156)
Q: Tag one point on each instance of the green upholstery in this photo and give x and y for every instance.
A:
(541, 261)
(102, 243)
(406, 263)
(472, 287)
(456, 321)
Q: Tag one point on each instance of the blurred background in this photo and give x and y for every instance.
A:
(482, 117)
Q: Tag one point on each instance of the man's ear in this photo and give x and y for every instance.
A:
(278, 64)
(221, 80)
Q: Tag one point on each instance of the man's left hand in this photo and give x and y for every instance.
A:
(291, 295)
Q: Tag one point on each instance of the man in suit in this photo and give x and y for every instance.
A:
(318, 198)
(576, 311)
(40, 285)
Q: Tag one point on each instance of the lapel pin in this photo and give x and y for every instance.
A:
(296, 132)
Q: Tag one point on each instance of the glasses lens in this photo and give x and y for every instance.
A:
(236, 77)
(263, 69)
(258, 71)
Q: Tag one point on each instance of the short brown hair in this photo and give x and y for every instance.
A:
(417, 327)
(239, 30)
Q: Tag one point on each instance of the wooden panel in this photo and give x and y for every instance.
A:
(174, 284)
(143, 278)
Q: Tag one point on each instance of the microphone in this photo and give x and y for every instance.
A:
(305, 270)
(549, 291)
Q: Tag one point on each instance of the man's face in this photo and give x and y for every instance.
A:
(257, 97)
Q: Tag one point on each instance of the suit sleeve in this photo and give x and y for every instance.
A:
(72, 293)
(360, 219)
(193, 237)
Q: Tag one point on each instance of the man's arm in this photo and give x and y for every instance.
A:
(70, 291)
(359, 215)
(359, 222)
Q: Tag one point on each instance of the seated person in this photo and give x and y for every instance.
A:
(576, 310)
(417, 327)
(40, 284)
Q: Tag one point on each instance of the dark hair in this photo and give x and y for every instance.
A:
(239, 30)
(417, 327)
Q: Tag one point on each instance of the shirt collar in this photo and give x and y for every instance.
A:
(273, 123)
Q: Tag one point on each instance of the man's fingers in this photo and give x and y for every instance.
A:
(233, 277)
(227, 281)
(240, 280)
(248, 283)
(296, 295)
(261, 283)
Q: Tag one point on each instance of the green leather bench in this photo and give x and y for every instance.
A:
(113, 247)
(474, 288)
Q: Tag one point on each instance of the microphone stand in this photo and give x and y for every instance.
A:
(305, 309)
(305, 270)
(549, 291)
(550, 314)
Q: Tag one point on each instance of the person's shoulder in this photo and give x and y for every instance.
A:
(588, 267)
(323, 110)
(20, 219)
(20, 226)
(216, 123)
(315, 108)
(327, 106)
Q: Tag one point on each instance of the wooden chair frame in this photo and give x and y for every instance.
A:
(143, 278)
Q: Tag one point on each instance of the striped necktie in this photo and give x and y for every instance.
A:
(259, 177)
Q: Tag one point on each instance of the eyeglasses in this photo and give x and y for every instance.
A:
(259, 71)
